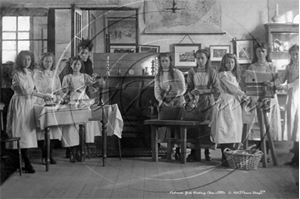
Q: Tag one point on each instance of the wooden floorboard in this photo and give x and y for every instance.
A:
(139, 177)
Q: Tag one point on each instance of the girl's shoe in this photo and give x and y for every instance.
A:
(29, 169)
(292, 163)
(206, 153)
(225, 163)
(44, 161)
(52, 161)
(72, 157)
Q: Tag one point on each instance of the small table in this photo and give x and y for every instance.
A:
(183, 125)
(65, 115)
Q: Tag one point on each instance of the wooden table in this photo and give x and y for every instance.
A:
(183, 125)
(47, 117)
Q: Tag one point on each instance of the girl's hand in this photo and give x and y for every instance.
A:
(47, 98)
(268, 83)
(282, 87)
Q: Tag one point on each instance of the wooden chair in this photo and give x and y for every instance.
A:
(15, 139)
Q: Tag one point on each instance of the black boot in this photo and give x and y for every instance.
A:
(43, 149)
(72, 155)
(224, 160)
(52, 161)
(67, 152)
(28, 167)
(206, 153)
(295, 159)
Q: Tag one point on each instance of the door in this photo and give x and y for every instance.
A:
(76, 29)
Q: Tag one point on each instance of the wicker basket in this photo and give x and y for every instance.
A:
(243, 159)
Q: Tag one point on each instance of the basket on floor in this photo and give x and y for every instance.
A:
(243, 159)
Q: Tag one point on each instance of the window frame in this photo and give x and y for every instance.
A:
(16, 12)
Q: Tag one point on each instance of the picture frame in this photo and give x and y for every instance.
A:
(218, 51)
(149, 49)
(122, 49)
(244, 51)
(184, 54)
(121, 30)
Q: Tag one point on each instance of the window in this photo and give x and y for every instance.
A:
(23, 33)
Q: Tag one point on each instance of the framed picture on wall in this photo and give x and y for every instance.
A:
(122, 49)
(184, 54)
(218, 51)
(244, 51)
(121, 30)
(149, 49)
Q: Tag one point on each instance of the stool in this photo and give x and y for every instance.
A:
(182, 125)
(15, 139)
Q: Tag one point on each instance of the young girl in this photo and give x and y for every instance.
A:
(261, 63)
(291, 122)
(202, 84)
(77, 83)
(20, 118)
(46, 81)
(226, 124)
(169, 85)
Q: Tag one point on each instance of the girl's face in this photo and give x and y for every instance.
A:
(76, 66)
(84, 54)
(47, 62)
(295, 56)
(261, 54)
(201, 60)
(165, 63)
(26, 61)
(229, 64)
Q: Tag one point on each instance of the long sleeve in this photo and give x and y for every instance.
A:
(21, 84)
(294, 84)
(180, 82)
(282, 77)
(88, 67)
(157, 90)
(67, 83)
(88, 79)
(214, 85)
(229, 86)
(190, 80)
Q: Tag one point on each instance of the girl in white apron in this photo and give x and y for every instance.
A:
(202, 85)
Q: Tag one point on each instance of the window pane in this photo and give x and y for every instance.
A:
(9, 45)
(9, 35)
(23, 35)
(23, 45)
(8, 55)
(9, 23)
(23, 23)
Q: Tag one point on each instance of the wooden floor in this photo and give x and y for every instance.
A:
(142, 178)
